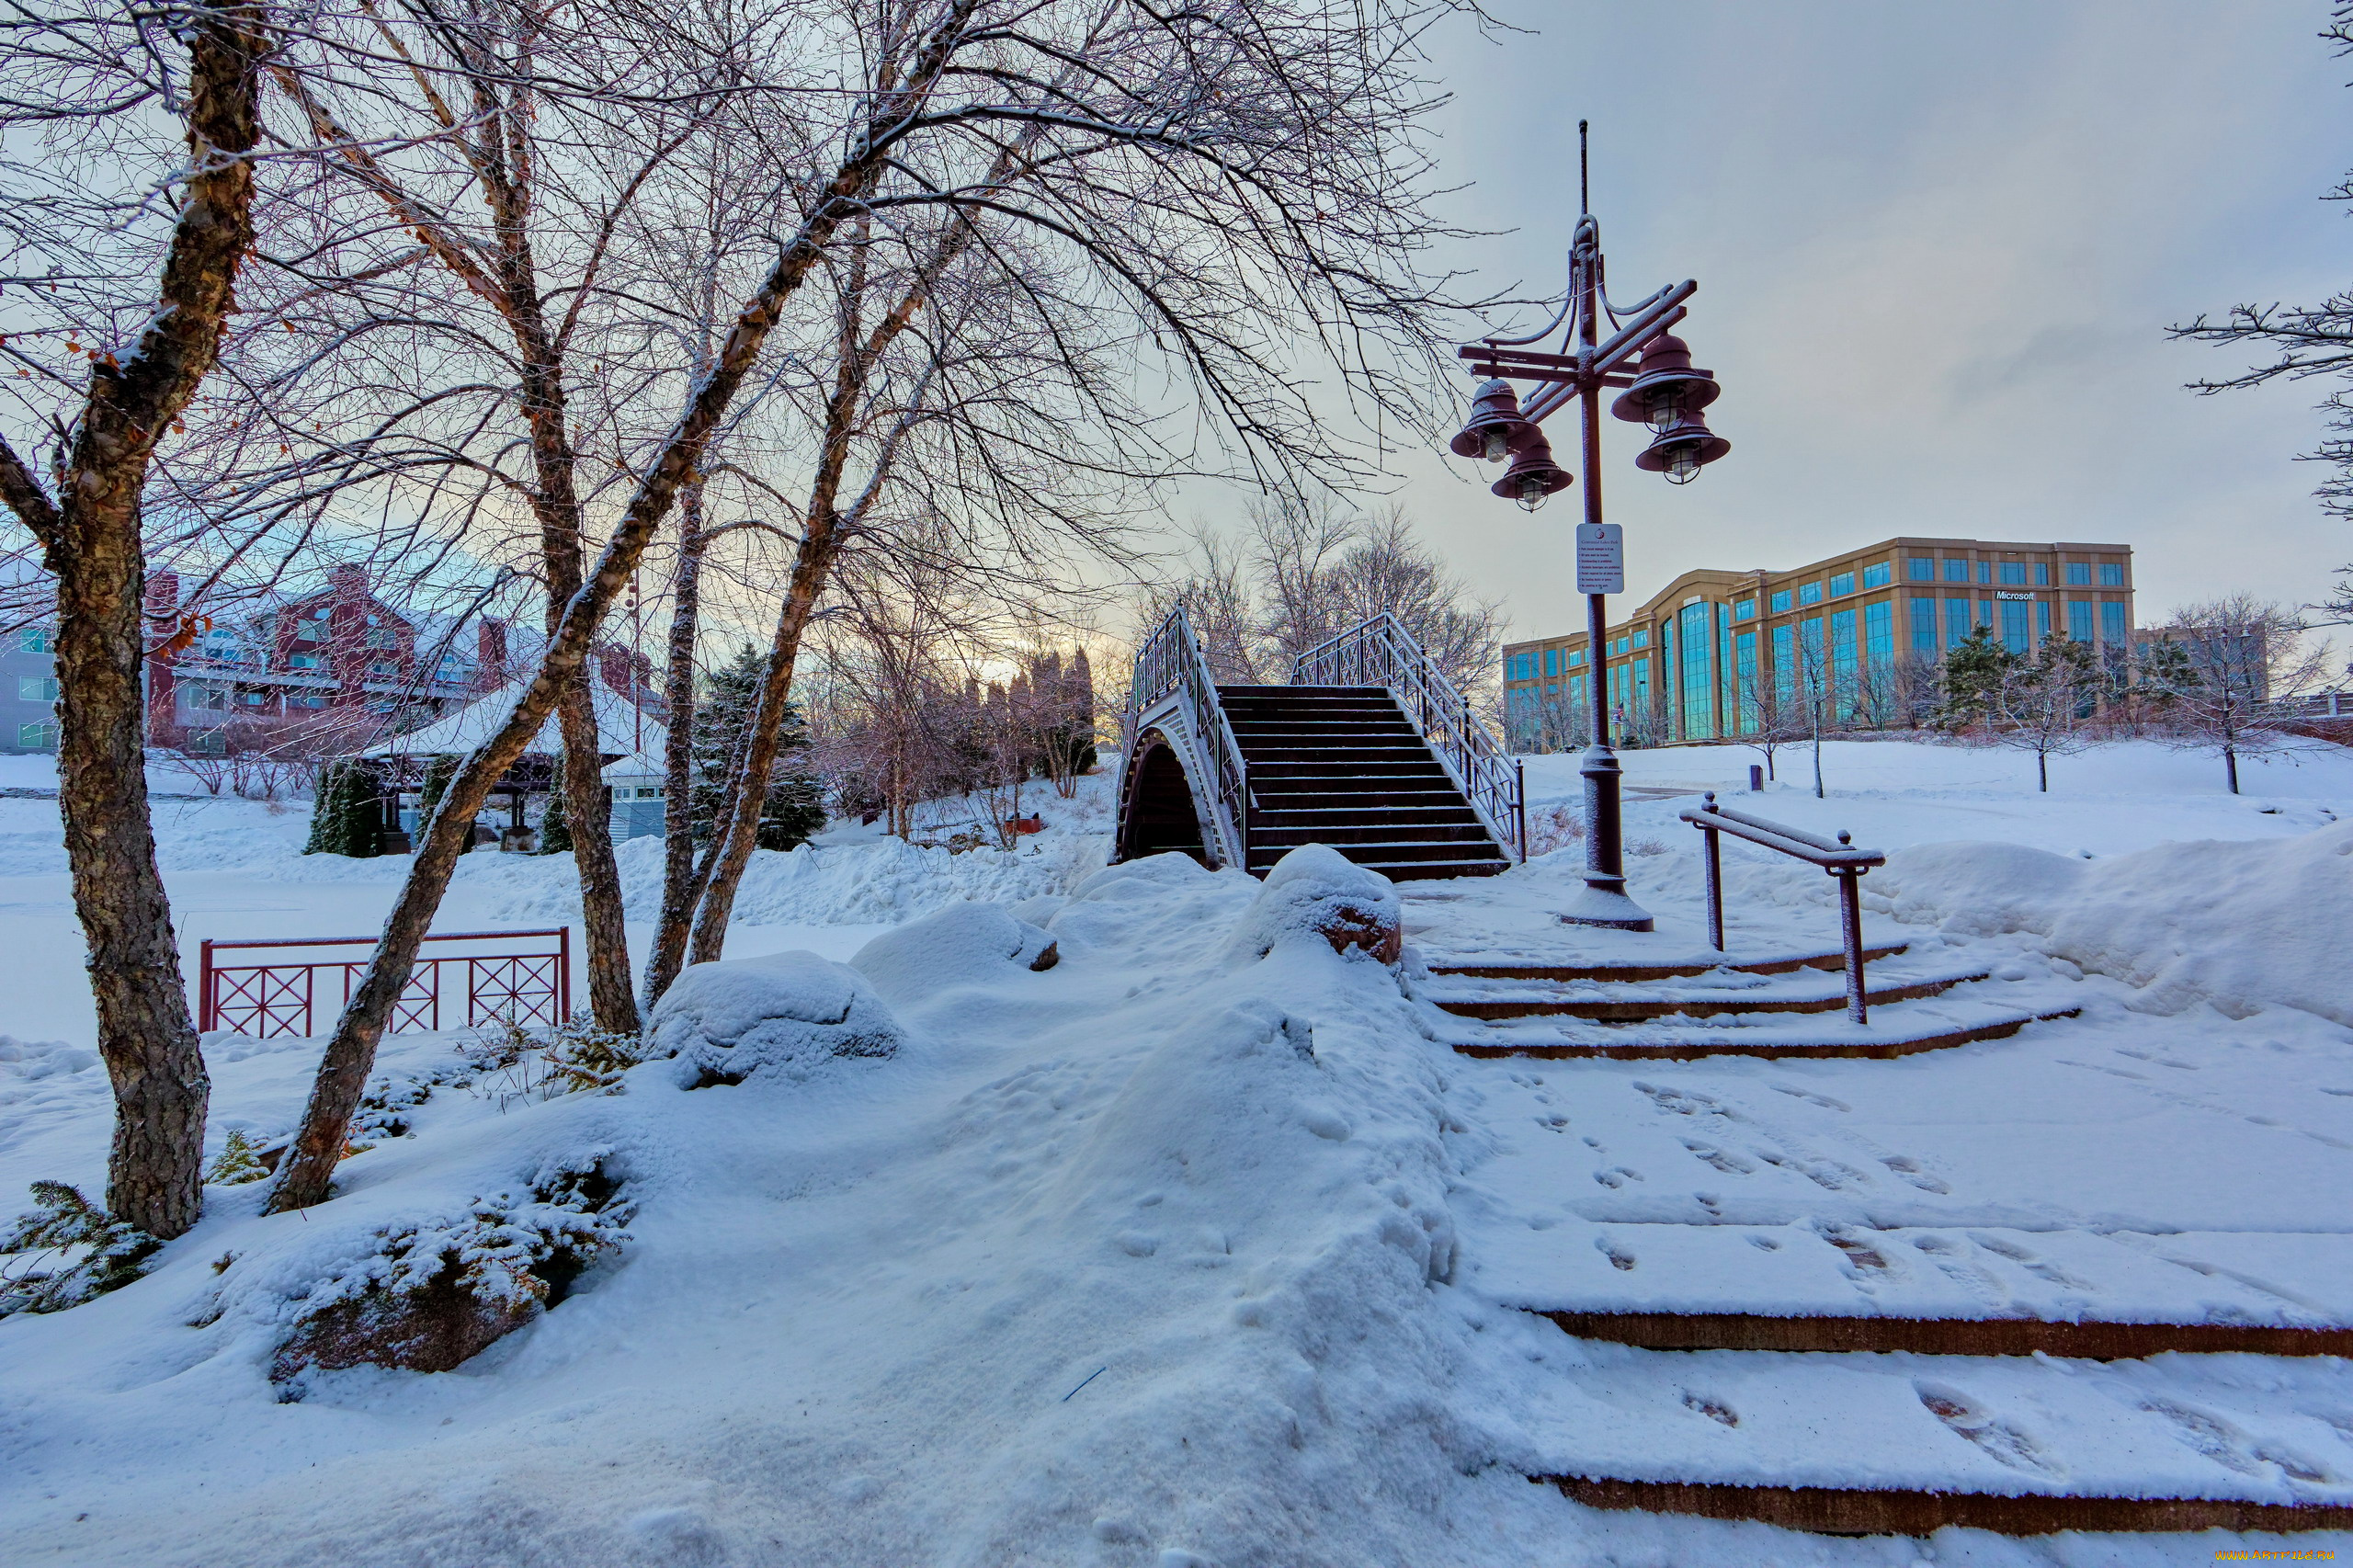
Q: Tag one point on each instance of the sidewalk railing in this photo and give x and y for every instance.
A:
(264, 1000)
(1842, 861)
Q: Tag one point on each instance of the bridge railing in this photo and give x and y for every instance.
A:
(280, 995)
(1381, 652)
(1170, 663)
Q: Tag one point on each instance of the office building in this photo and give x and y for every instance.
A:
(1717, 655)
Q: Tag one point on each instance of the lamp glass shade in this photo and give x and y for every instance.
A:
(1531, 493)
(1681, 462)
(1498, 445)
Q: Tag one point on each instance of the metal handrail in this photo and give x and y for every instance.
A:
(1841, 859)
(1381, 652)
(1171, 662)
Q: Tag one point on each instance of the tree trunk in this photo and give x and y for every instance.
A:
(92, 542)
(2231, 766)
(611, 999)
(2042, 770)
(681, 888)
(306, 1174)
(737, 832)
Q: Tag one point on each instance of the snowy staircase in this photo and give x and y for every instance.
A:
(1825, 1334)
(1760, 1005)
(1344, 766)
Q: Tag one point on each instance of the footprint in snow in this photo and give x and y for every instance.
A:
(1909, 1169)
(1998, 1440)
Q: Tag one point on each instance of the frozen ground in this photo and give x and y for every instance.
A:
(1274, 1221)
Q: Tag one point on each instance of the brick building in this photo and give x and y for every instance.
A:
(1710, 655)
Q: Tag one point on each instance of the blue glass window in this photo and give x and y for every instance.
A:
(1878, 575)
(1924, 626)
(2111, 574)
(2079, 574)
(1780, 601)
(1744, 610)
(2079, 619)
(2014, 574)
(1878, 632)
(2111, 623)
(2042, 621)
(1843, 583)
(2042, 574)
(1923, 569)
(1745, 667)
(1808, 593)
(1696, 680)
(1842, 646)
(1576, 658)
(1641, 638)
(1956, 623)
(1956, 571)
(1551, 661)
(2015, 636)
(1785, 662)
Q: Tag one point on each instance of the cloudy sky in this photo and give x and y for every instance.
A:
(1937, 246)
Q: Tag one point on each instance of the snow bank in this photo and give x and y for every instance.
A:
(2244, 926)
(785, 1013)
(965, 944)
(1316, 891)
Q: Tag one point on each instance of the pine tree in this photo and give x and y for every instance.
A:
(1976, 669)
(438, 774)
(795, 805)
(555, 827)
(347, 817)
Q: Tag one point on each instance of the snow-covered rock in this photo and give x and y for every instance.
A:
(784, 1012)
(2243, 926)
(965, 944)
(1317, 893)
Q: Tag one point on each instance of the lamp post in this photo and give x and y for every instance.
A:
(1660, 389)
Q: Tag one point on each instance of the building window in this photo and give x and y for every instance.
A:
(1745, 698)
(1879, 574)
(1956, 571)
(1780, 601)
(307, 700)
(1842, 584)
(2014, 574)
(1808, 593)
(1879, 633)
(1842, 649)
(1744, 610)
(1642, 687)
(1924, 626)
(201, 699)
(1641, 638)
(2042, 621)
(2079, 618)
(1576, 658)
(36, 640)
(2111, 623)
(2015, 636)
(385, 639)
(1985, 571)
(37, 737)
(1697, 680)
(304, 661)
(1923, 569)
(2111, 574)
(1956, 623)
(2042, 574)
(36, 688)
(383, 667)
(253, 698)
(2079, 574)
(1551, 661)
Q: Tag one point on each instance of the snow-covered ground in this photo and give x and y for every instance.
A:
(1179, 1252)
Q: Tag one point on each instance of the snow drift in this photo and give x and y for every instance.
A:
(2243, 926)
(785, 1013)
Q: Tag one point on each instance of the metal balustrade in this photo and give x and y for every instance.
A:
(264, 1000)
(1381, 652)
(1171, 664)
(1842, 861)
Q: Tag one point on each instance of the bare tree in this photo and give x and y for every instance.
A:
(2045, 703)
(1772, 715)
(2214, 669)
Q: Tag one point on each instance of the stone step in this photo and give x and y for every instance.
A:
(1634, 969)
(1849, 1442)
(1343, 834)
(1542, 999)
(1943, 1289)
(1880, 1043)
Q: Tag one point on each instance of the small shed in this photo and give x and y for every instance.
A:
(635, 784)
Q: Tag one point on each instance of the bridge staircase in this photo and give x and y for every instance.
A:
(1368, 750)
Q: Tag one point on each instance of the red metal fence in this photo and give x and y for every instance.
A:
(265, 999)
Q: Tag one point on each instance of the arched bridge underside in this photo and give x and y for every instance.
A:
(1342, 765)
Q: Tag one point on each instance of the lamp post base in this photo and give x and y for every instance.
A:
(1604, 902)
(1608, 907)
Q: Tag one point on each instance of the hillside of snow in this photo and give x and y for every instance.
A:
(1191, 1247)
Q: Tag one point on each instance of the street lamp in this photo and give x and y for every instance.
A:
(1660, 389)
